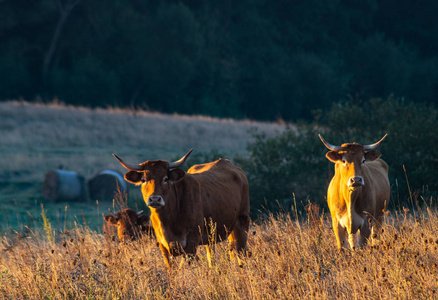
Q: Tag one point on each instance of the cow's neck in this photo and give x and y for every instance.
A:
(176, 208)
(172, 220)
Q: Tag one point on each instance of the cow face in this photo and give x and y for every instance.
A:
(349, 159)
(349, 162)
(129, 223)
(156, 179)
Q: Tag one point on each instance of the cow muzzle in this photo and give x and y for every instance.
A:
(355, 181)
(155, 201)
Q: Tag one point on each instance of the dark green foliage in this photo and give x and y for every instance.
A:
(260, 59)
(87, 82)
(411, 142)
(294, 163)
(14, 76)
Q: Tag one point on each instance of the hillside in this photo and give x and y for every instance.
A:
(40, 137)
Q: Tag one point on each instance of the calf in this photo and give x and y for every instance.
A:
(129, 224)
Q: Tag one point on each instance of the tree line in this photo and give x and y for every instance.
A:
(244, 59)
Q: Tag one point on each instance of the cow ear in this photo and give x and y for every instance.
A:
(333, 156)
(372, 155)
(176, 174)
(110, 220)
(133, 177)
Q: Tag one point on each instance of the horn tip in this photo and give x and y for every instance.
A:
(118, 158)
(321, 138)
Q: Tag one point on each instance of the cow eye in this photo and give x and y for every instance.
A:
(344, 161)
(363, 160)
(165, 179)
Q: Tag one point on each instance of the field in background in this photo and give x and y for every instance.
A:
(36, 138)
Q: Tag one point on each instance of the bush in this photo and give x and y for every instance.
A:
(410, 145)
(287, 170)
(294, 163)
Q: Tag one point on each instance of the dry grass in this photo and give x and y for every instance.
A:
(39, 137)
(289, 260)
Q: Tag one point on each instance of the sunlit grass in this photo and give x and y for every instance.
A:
(288, 260)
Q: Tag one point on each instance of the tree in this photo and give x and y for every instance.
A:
(65, 7)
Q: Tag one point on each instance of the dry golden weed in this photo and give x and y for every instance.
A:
(289, 260)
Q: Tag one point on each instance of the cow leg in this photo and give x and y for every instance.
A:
(340, 234)
(166, 254)
(189, 252)
(233, 246)
(239, 237)
(352, 240)
(375, 228)
(364, 234)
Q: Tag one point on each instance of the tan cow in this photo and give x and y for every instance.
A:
(129, 224)
(358, 191)
(205, 205)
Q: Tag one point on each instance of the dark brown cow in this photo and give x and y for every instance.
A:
(129, 224)
(358, 191)
(205, 205)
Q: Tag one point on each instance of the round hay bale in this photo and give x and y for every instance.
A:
(60, 185)
(106, 184)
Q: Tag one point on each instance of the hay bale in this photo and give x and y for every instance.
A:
(106, 184)
(60, 185)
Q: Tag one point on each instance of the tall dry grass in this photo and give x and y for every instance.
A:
(289, 260)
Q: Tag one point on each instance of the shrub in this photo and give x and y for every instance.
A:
(294, 163)
(410, 145)
(287, 170)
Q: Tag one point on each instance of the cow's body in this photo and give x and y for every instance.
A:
(208, 204)
(358, 192)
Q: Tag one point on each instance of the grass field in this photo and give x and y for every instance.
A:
(36, 138)
(289, 260)
(63, 251)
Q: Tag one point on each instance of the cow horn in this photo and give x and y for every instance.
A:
(330, 146)
(139, 212)
(178, 163)
(375, 145)
(128, 166)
